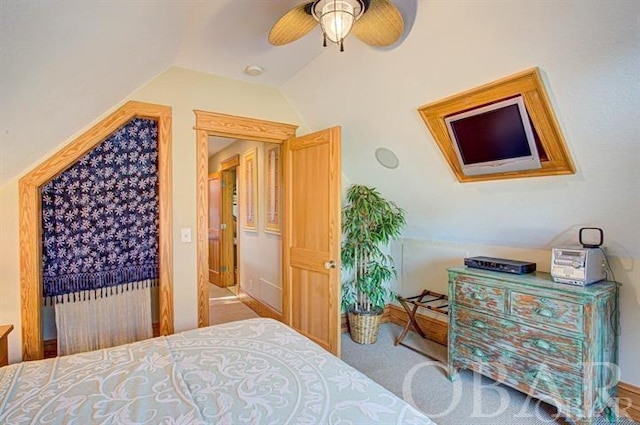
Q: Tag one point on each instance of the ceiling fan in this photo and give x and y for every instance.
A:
(375, 22)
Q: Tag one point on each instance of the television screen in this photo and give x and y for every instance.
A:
(495, 138)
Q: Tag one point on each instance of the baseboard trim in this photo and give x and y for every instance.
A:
(435, 330)
(629, 400)
(50, 348)
(260, 308)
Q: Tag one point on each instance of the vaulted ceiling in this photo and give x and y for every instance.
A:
(64, 63)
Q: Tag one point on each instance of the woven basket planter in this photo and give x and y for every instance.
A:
(363, 327)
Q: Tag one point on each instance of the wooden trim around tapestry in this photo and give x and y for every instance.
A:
(629, 401)
(30, 217)
(234, 127)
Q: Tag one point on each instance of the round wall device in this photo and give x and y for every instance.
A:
(253, 70)
(387, 158)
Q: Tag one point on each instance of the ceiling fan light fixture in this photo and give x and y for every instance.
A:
(337, 17)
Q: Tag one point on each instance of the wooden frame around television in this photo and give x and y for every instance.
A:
(527, 84)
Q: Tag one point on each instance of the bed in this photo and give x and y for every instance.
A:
(255, 371)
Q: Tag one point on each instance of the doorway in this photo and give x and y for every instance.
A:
(250, 245)
(224, 303)
(310, 222)
(223, 216)
(212, 124)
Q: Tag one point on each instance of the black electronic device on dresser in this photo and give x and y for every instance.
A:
(500, 265)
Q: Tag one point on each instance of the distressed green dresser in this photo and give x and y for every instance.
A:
(553, 341)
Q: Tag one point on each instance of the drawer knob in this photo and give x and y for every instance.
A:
(477, 296)
(479, 353)
(536, 375)
(544, 312)
(478, 324)
(541, 343)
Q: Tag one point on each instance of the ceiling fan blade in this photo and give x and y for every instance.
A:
(293, 25)
(381, 25)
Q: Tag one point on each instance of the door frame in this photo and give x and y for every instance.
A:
(31, 212)
(235, 127)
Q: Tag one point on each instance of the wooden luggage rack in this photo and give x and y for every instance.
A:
(433, 301)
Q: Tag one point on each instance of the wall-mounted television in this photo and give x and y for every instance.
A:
(495, 138)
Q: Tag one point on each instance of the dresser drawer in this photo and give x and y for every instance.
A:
(482, 297)
(527, 375)
(563, 351)
(549, 311)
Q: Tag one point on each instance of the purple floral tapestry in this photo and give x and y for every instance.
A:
(100, 218)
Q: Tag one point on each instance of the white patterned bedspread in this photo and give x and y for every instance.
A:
(256, 371)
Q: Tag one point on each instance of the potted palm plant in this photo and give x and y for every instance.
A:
(369, 223)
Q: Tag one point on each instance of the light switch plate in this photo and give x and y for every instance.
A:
(185, 234)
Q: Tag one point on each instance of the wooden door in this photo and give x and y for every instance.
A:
(228, 229)
(214, 228)
(311, 254)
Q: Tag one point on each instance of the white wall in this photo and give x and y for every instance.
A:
(184, 91)
(589, 57)
(66, 62)
(260, 252)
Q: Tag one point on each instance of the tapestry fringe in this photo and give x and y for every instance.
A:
(61, 285)
(94, 294)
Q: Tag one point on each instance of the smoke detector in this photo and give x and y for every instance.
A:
(253, 70)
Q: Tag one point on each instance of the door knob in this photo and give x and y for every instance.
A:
(330, 265)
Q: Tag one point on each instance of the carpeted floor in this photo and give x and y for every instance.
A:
(225, 307)
(421, 381)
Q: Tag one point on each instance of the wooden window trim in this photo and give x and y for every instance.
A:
(30, 217)
(529, 85)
